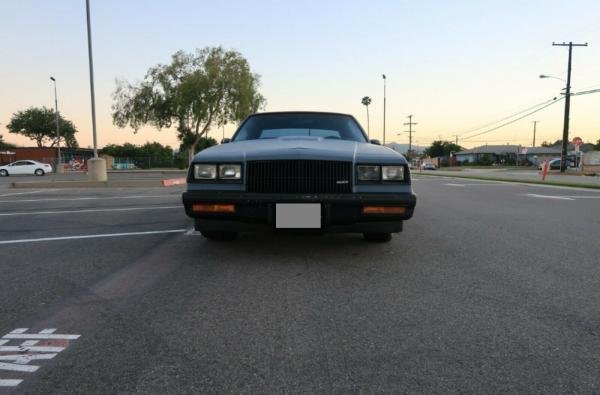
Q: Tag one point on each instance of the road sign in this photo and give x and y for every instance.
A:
(577, 141)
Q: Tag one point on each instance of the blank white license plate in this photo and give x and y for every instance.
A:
(298, 215)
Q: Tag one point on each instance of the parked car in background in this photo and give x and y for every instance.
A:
(299, 170)
(555, 164)
(429, 166)
(25, 167)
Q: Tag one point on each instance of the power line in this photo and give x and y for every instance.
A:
(514, 120)
(509, 116)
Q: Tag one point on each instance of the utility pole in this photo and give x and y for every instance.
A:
(384, 80)
(59, 163)
(410, 131)
(534, 129)
(456, 139)
(565, 139)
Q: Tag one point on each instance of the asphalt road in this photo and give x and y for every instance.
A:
(492, 287)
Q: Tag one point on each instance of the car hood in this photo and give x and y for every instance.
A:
(315, 148)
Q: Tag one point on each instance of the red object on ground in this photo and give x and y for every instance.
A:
(173, 181)
(545, 167)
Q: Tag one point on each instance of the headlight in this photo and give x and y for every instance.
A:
(205, 172)
(230, 172)
(368, 173)
(392, 173)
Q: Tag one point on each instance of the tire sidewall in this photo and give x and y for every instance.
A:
(39, 172)
(3, 173)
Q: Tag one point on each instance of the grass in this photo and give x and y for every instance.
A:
(521, 181)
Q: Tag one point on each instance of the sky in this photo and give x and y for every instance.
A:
(454, 65)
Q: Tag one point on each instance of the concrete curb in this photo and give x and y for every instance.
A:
(89, 184)
(517, 180)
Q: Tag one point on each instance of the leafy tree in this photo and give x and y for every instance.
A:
(195, 91)
(4, 144)
(150, 154)
(366, 101)
(442, 148)
(39, 124)
(597, 145)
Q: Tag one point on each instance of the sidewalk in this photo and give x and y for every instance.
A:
(525, 176)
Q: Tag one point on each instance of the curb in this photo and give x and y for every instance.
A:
(519, 181)
(90, 184)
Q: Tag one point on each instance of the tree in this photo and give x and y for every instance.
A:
(441, 148)
(195, 91)
(366, 101)
(39, 124)
(4, 144)
(597, 145)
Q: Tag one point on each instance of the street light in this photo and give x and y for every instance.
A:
(383, 75)
(96, 165)
(59, 164)
(551, 76)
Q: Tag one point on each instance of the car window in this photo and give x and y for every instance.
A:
(275, 133)
(328, 126)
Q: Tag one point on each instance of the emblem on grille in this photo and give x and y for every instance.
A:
(341, 182)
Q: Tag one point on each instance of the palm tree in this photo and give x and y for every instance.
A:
(366, 101)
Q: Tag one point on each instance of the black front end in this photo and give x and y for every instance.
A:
(269, 183)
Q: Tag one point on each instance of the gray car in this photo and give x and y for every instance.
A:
(299, 170)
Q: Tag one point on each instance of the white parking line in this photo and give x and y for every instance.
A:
(89, 198)
(25, 193)
(91, 210)
(10, 383)
(549, 197)
(96, 236)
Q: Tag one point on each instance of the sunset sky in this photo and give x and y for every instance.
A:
(455, 65)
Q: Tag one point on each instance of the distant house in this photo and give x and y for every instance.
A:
(507, 154)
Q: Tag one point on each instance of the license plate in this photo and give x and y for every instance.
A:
(298, 215)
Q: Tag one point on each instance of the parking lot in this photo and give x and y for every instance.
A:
(492, 287)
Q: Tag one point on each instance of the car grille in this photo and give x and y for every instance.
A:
(299, 176)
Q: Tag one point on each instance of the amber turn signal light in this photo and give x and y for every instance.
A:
(213, 208)
(383, 210)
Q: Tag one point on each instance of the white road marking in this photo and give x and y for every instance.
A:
(91, 210)
(9, 382)
(192, 232)
(33, 349)
(17, 367)
(39, 336)
(89, 198)
(101, 235)
(24, 359)
(549, 197)
(26, 193)
(23, 354)
(455, 185)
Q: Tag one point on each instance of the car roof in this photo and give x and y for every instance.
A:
(300, 113)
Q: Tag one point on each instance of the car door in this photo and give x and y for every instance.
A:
(17, 168)
(30, 167)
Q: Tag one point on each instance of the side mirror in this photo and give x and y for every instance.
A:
(225, 140)
(375, 141)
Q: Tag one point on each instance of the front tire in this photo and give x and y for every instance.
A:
(39, 172)
(378, 237)
(3, 173)
(220, 236)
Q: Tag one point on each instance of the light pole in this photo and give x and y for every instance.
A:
(384, 79)
(96, 166)
(59, 163)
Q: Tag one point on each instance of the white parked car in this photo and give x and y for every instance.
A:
(25, 167)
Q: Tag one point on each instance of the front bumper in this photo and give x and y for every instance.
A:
(340, 212)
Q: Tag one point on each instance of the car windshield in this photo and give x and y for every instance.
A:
(327, 126)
